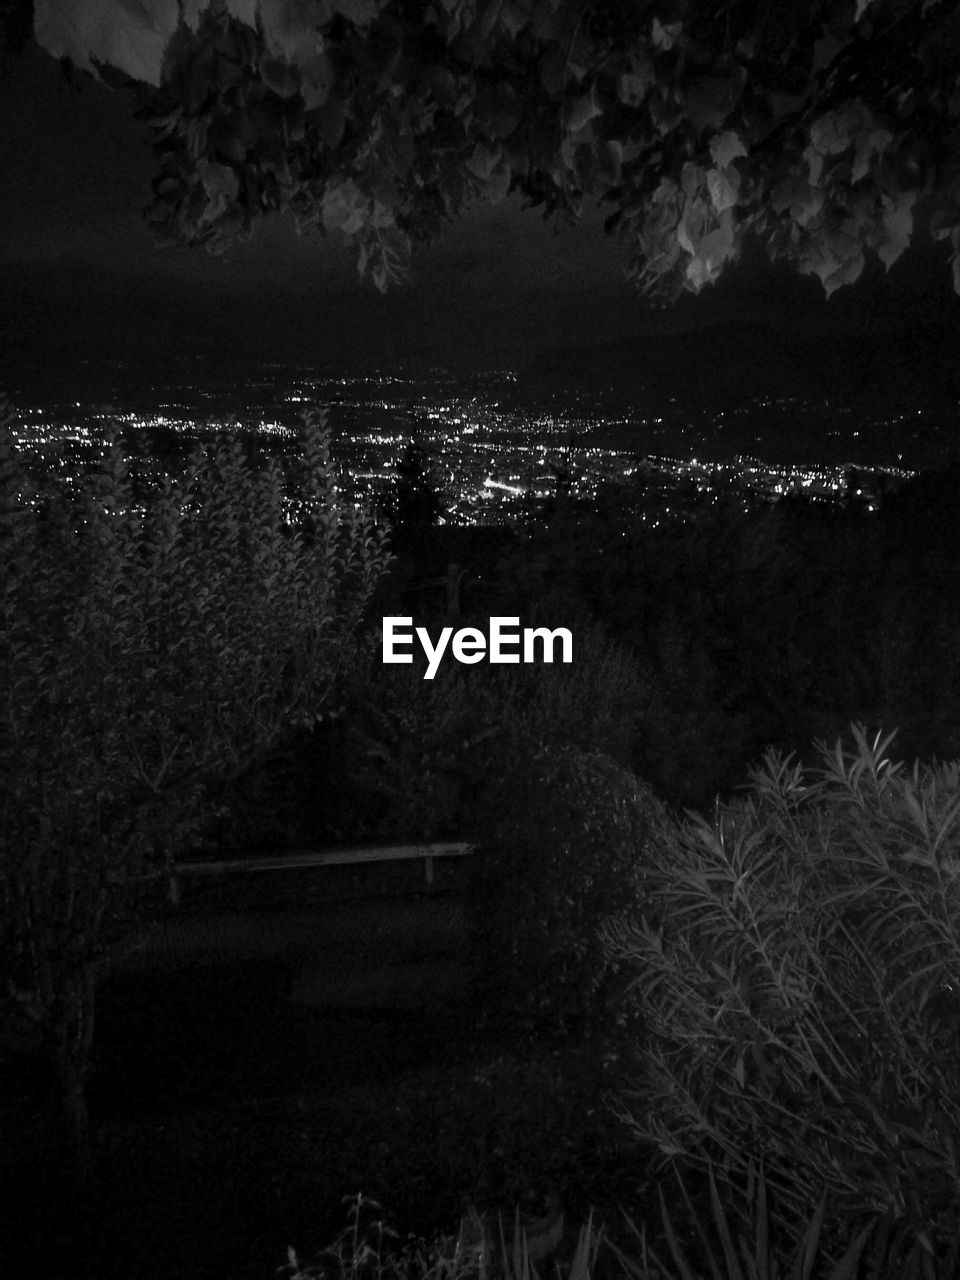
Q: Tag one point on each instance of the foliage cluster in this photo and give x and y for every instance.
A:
(562, 842)
(155, 645)
(796, 960)
(757, 1252)
(821, 127)
(365, 1250)
(530, 763)
(779, 625)
(419, 757)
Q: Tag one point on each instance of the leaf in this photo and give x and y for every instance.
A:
(220, 182)
(835, 268)
(711, 253)
(497, 184)
(630, 88)
(343, 208)
(691, 177)
(826, 49)
(610, 157)
(243, 10)
(786, 104)
(514, 15)
(897, 227)
(130, 35)
(483, 161)
(833, 132)
(665, 35)
(291, 27)
(723, 187)
(279, 76)
(582, 110)
(191, 11)
(870, 143)
(690, 227)
(360, 12)
(382, 215)
(316, 80)
(709, 100)
(804, 202)
(726, 147)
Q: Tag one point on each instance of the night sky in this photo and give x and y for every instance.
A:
(81, 278)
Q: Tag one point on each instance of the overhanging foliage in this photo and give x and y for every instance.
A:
(823, 127)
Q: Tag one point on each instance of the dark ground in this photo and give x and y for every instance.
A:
(238, 1099)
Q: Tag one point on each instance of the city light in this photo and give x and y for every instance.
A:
(489, 455)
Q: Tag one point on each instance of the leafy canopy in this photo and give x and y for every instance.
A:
(820, 126)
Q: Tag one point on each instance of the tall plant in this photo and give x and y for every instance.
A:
(797, 960)
(153, 648)
(559, 852)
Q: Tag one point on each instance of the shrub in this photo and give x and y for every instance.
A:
(157, 645)
(592, 703)
(559, 852)
(404, 748)
(731, 1254)
(481, 1250)
(423, 752)
(796, 961)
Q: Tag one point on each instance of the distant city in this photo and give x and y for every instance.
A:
(494, 452)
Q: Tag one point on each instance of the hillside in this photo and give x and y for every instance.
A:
(848, 396)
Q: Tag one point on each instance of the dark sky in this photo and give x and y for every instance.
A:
(79, 274)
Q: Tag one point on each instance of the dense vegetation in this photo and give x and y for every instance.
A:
(777, 980)
(156, 643)
(827, 129)
(807, 926)
(698, 646)
(796, 963)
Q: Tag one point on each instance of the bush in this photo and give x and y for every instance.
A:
(559, 852)
(157, 644)
(593, 703)
(420, 755)
(797, 962)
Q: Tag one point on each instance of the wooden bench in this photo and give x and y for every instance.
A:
(319, 858)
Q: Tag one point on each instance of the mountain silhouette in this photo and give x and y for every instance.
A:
(799, 394)
(748, 360)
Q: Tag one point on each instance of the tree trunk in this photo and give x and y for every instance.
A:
(74, 1115)
(70, 1041)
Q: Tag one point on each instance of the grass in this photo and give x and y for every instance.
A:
(368, 1249)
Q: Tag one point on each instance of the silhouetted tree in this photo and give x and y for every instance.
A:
(416, 502)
